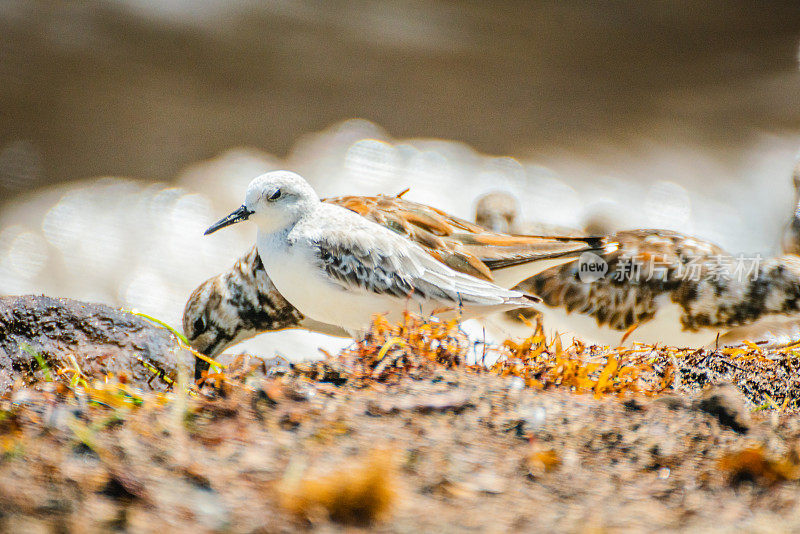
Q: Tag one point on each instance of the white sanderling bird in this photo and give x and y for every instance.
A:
(243, 301)
(341, 269)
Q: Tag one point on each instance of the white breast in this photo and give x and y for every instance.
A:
(295, 272)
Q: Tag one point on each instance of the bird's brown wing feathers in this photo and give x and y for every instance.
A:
(460, 244)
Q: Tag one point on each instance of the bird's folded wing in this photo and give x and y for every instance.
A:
(499, 251)
(388, 264)
(460, 244)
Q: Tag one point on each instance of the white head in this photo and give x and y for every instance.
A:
(273, 201)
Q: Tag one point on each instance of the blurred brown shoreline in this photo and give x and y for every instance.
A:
(130, 88)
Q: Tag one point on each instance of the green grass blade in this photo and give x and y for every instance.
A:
(40, 360)
(163, 325)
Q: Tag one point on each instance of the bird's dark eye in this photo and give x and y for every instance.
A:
(199, 325)
(276, 195)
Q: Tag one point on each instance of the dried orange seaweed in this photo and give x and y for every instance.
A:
(603, 371)
(415, 346)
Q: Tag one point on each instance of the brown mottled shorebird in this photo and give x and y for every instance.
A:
(668, 287)
(674, 289)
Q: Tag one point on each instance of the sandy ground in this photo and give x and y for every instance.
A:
(400, 436)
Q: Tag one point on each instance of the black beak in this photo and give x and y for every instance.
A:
(239, 215)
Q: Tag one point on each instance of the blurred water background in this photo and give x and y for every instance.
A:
(127, 127)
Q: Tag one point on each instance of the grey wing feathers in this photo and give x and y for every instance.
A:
(409, 273)
(369, 271)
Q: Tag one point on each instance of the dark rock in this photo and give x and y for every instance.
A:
(102, 340)
(728, 405)
(632, 405)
